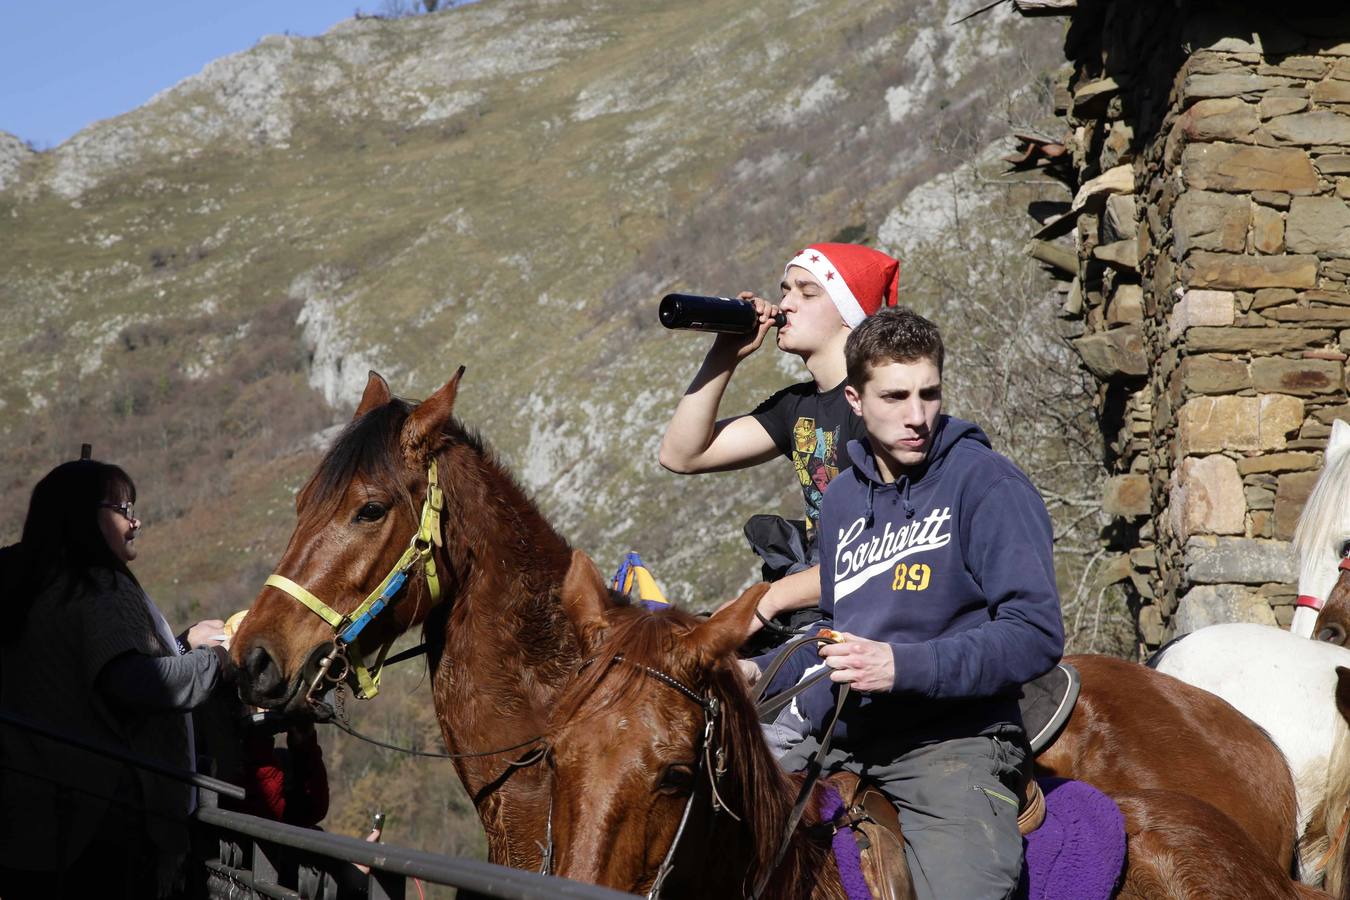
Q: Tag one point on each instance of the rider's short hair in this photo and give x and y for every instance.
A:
(895, 334)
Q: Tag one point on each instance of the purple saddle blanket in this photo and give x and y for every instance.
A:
(1080, 850)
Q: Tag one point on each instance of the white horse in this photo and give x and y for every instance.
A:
(1323, 532)
(1280, 680)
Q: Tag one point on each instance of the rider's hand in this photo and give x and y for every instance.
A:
(749, 671)
(206, 633)
(742, 345)
(869, 666)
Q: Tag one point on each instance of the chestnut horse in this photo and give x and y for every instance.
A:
(1137, 729)
(499, 645)
(630, 752)
(1284, 683)
(1182, 847)
(625, 745)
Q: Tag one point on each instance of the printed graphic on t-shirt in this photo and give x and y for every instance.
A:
(815, 457)
(889, 554)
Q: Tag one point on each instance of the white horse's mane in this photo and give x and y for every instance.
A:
(1324, 518)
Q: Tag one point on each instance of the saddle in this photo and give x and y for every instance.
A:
(876, 827)
(1046, 704)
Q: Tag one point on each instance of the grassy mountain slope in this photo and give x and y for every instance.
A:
(199, 287)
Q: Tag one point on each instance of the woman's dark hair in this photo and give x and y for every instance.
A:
(61, 535)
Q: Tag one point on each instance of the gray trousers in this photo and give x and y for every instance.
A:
(958, 808)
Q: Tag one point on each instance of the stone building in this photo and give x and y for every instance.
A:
(1210, 146)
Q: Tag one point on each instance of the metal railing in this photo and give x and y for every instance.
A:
(276, 846)
(243, 856)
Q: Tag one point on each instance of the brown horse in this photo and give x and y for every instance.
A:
(499, 645)
(1137, 729)
(1182, 847)
(626, 749)
(1333, 620)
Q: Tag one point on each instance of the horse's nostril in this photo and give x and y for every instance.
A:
(264, 677)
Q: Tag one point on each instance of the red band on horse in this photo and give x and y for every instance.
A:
(1308, 601)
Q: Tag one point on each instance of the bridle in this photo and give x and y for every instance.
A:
(711, 764)
(347, 658)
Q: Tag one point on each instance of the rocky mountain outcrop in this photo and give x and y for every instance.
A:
(13, 154)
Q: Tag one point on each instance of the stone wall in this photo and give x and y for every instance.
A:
(1210, 146)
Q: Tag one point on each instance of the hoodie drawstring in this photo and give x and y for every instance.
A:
(904, 498)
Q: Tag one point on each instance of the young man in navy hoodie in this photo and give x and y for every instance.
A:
(936, 567)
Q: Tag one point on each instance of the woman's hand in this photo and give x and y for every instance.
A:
(206, 633)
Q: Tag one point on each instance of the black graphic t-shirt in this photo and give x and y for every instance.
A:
(812, 429)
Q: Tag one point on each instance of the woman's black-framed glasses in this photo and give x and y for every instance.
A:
(126, 510)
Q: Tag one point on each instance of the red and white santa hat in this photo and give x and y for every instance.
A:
(858, 279)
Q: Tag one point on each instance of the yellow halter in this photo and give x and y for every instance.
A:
(347, 628)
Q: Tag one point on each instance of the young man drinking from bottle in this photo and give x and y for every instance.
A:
(827, 289)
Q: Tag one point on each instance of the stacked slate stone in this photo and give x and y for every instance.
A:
(1211, 146)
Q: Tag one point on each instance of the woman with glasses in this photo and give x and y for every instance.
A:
(84, 651)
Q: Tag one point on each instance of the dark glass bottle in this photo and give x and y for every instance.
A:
(721, 314)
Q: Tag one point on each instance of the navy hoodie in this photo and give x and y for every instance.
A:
(951, 565)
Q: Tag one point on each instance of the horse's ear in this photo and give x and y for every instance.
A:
(584, 598)
(727, 629)
(423, 429)
(1339, 444)
(377, 394)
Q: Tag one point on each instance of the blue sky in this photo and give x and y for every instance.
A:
(64, 65)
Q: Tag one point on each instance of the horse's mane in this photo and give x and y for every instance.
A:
(1327, 815)
(755, 786)
(1323, 514)
(370, 446)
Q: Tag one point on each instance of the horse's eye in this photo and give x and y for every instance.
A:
(676, 779)
(1345, 549)
(371, 512)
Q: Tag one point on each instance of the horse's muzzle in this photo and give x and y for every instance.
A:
(262, 682)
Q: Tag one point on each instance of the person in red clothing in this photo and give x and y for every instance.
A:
(284, 784)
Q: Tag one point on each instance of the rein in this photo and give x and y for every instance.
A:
(813, 764)
(339, 719)
(338, 666)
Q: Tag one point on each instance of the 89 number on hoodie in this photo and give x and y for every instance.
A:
(913, 577)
